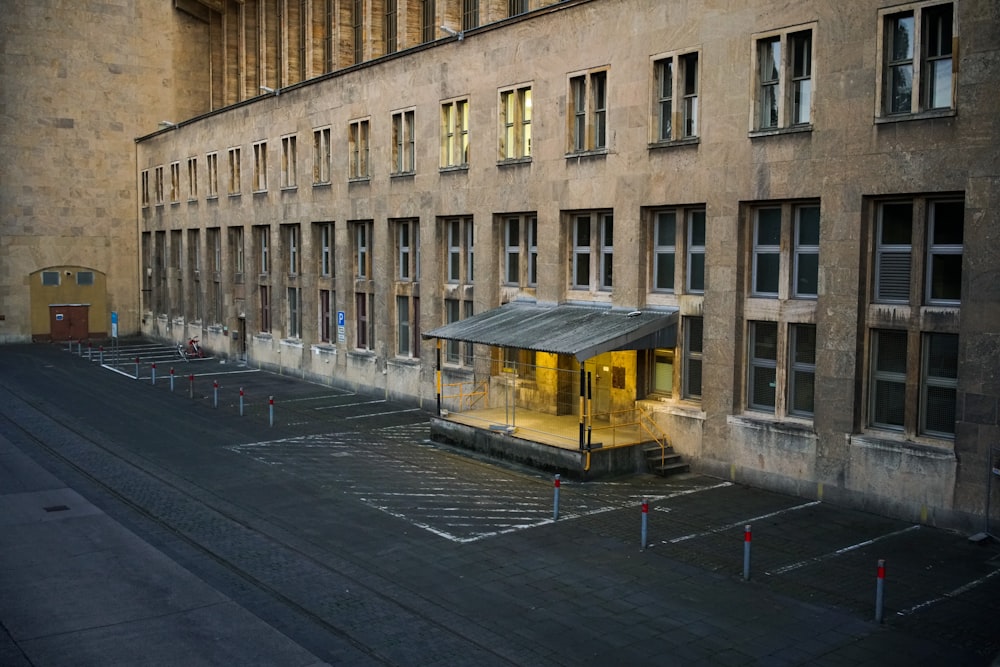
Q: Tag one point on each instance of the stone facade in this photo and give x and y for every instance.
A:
(861, 380)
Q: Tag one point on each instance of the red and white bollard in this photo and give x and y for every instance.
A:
(215, 394)
(241, 401)
(555, 499)
(879, 589)
(270, 410)
(746, 553)
(153, 371)
(645, 514)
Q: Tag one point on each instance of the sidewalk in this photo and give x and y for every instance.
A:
(77, 588)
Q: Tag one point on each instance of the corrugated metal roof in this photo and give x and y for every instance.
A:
(581, 331)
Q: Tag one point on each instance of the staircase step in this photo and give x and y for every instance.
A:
(671, 468)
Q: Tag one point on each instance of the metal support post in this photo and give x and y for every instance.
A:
(270, 410)
(152, 370)
(171, 379)
(215, 394)
(241, 401)
(191, 386)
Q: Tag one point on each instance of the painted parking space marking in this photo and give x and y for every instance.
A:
(840, 552)
(741, 523)
(350, 405)
(382, 414)
(949, 595)
(455, 498)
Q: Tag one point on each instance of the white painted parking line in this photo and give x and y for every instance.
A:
(840, 552)
(120, 372)
(316, 398)
(382, 414)
(740, 524)
(350, 405)
(949, 595)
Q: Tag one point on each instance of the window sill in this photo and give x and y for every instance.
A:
(581, 155)
(780, 131)
(258, 193)
(920, 115)
(402, 174)
(514, 161)
(212, 198)
(290, 188)
(322, 184)
(675, 143)
(802, 428)
(292, 342)
(897, 442)
(453, 168)
(324, 349)
(233, 195)
(365, 355)
(675, 406)
(359, 179)
(410, 362)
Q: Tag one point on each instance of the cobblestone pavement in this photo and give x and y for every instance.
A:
(343, 528)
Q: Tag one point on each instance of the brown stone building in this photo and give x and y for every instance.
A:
(765, 230)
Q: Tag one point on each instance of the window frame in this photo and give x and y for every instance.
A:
(289, 159)
(781, 89)
(514, 132)
(675, 96)
(455, 134)
(322, 156)
(917, 60)
(403, 142)
(587, 121)
(260, 167)
(359, 147)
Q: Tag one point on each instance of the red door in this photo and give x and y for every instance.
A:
(69, 322)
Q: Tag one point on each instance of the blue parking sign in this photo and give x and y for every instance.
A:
(340, 318)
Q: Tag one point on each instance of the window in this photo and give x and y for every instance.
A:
(695, 274)
(917, 68)
(763, 366)
(938, 384)
(456, 352)
(358, 30)
(192, 171)
(776, 271)
(361, 232)
(470, 14)
(784, 80)
(662, 372)
(403, 142)
(676, 97)
(593, 251)
(673, 230)
(455, 133)
(260, 166)
(408, 250)
(459, 234)
(294, 312)
(175, 182)
(264, 293)
(692, 329)
(515, 7)
(358, 157)
(215, 247)
(515, 123)
(144, 188)
(801, 369)
(158, 186)
(236, 251)
(520, 235)
(327, 311)
(212, 160)
(234, 171)
(408, 326)
(364, 303)
(389, 26)
(902, 226)
(263, 239)
(84, 278)
(321, 156)
(588, 112)
(291, 234)
(326, 263)
(288, 158)
(50, 278)
(428, 20)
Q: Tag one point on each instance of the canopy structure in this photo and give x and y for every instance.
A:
(581, 331)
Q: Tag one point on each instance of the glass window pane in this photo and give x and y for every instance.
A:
(769, 226)
(766, 273)
(664, 271)
(946, 278)
(696, 273)
(808, 218)
(807, 276)
(949, 218)
(891, 352)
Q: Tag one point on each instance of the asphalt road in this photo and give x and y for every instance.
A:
(332, 522)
